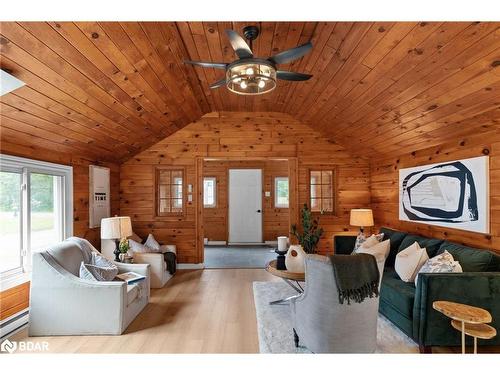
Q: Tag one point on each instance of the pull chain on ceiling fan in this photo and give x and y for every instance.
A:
(249, 75)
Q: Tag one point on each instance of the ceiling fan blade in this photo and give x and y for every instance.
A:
(292, 76)
(218, 84)
(291, 54)
(239, 45)
(207, 64)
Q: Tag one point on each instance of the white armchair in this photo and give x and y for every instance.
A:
(63, 304)
(159, 272)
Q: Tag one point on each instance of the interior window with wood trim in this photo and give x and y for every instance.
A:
(281, 194)
(169, 191)
(322, 190)
(209, 192)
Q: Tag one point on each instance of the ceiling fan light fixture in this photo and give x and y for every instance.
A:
(251, 77)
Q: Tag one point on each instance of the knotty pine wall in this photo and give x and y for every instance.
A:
(385, 192)
(241, 136)
(17, 298)
(275, 221)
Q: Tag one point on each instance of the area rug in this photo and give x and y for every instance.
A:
(275, 328)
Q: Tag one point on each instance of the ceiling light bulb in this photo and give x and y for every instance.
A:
(243, 85)
(262, 83)
(250, 71)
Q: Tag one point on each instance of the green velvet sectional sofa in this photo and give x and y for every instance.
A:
(410, 307)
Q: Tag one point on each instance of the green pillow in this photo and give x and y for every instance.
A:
(471, 259)
(431, 244)
(395, 238)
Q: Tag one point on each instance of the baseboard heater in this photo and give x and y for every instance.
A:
(13, 323)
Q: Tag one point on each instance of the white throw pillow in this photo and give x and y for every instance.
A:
(361, 240)
(152, 243)
(138, 247)
(409, 261)
(380, 250)
(440, 263)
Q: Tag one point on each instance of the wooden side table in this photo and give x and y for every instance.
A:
(478, 331)
(287, 277)
(467, 319)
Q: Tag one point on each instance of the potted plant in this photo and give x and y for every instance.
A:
(311, 233)
(124, 247)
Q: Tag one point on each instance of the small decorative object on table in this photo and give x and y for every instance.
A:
(295, 259)
(281, 251)
(124, 247)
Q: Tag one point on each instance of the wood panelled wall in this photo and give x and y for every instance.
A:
(275, 221)
(19, 296)
(385, 191)
(239, 136)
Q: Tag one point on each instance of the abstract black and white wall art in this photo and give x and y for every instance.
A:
(451, 194)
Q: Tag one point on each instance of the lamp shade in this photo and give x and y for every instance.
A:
(116, 227)
(361, 217)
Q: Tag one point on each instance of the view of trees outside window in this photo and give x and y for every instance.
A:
(45, 215)
(10, 220)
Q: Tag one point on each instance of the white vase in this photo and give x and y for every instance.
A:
(295, 259)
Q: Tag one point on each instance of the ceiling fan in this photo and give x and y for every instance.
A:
(249, 75)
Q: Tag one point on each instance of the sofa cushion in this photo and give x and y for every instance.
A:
(397, 293)
(396, 238)
(471, 259)
(431, 244)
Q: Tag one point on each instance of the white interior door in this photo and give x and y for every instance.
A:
(245, 205)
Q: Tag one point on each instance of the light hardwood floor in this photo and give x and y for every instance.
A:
(198, 311)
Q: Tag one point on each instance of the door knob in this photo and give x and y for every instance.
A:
(258, 211)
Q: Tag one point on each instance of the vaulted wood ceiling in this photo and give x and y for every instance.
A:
(109, 90)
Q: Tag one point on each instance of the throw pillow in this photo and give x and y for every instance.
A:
(443, 262)
(152, 243)
(100, 269)
(361, 240)
(409, 261)
(380, 250)
(138, 247)
(85, 273)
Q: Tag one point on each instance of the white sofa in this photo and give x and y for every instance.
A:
(159, 272)
(63, 304)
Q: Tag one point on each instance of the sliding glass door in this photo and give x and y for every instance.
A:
(35, 210)
(11, 221)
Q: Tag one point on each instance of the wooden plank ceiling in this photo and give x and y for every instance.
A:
(109, 90)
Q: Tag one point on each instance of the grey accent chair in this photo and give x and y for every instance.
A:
(61, 303)
(322, 324)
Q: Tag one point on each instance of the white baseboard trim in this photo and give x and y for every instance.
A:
(190, 266)
(272, 243)
(216, 243)
(14, 323)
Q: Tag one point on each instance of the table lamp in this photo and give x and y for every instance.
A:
(115, 228)
(361, 217)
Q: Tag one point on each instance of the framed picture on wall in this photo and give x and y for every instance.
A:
(99, 195)
(452, 194)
